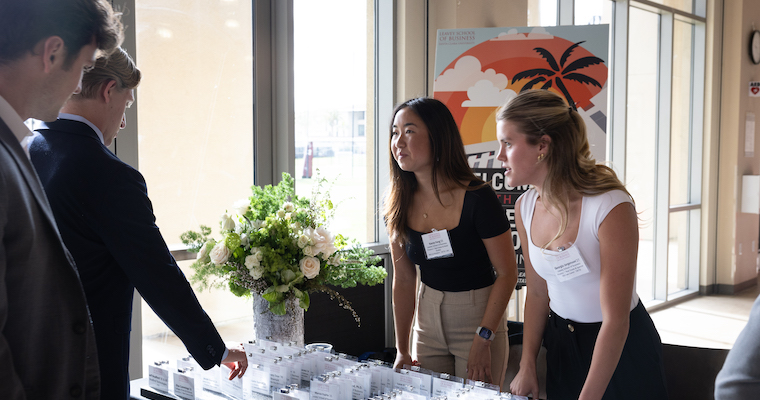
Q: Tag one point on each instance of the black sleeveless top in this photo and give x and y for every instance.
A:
(470, 268)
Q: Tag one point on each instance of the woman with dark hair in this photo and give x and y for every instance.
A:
(581, 230)
(441, 217)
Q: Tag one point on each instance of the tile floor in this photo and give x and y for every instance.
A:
(706, 321)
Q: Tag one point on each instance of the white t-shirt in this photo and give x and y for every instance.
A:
(576, 299)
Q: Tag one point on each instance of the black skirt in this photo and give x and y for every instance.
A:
(570, 345)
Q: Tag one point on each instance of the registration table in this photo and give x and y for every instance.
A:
(285, 372)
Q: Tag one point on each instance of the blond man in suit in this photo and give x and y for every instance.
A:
(47, 348)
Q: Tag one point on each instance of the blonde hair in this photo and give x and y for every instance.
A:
(117, 67)
(568, 159)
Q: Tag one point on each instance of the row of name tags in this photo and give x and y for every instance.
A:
(279, 371)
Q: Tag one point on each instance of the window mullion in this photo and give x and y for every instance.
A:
(662, 184)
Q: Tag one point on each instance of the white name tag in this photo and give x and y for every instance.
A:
(184, 386)
(567, 264)
(158, 378)
(437, 244)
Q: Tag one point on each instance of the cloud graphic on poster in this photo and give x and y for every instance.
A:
(535, 34)
(485, 94)
(467, 73)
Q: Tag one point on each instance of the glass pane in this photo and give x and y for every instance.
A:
(195, 107)
(593, 12)
(332, 106)
(680, 133)
(542, 12)
(640, 139)
(683, 5)
(678, 246)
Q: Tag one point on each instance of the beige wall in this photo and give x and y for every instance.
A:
(737, 232)
(415, 46)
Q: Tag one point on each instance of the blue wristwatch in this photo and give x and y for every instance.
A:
(485, 333)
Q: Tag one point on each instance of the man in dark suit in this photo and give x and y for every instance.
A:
(107, 222)
(47, 347)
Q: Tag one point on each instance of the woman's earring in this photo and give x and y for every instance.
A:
(541, 157)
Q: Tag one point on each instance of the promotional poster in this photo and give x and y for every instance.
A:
(479, 70)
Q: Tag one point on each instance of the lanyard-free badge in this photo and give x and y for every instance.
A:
(567, 264)
(437, 244)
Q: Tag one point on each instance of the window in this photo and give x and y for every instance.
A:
(333, 83)
(195, 141)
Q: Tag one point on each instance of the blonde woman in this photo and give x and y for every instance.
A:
(580, 227)
(441, 217)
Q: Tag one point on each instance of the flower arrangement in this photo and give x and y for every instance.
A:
(277, 244)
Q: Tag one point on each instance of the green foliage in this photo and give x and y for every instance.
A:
(267, 239)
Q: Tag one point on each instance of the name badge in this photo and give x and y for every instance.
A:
(567, 264)
(437, 244)
(184, 386)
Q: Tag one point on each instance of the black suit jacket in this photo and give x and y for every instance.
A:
(47, 346)
(107, 222)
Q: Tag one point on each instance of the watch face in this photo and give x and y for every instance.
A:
(485, 333)
(754, 47)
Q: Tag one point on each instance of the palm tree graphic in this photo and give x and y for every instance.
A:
(559, 72)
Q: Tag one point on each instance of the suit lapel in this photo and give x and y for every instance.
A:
(9, 141)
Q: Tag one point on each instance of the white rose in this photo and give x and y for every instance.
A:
(203, 253)
(296, 226)
(326, 249)
(220, 253)
(288, 206)
(281, 214)
(256, 272)
(309, 267)
(308, 251)
(251, 262)
(228, 224)
(303, 240)
(259, 255)
(288, 216)
(241, 206)
(335, 259)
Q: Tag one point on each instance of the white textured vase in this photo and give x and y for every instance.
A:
(279, 328)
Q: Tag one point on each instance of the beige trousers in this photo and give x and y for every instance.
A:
(445, 327)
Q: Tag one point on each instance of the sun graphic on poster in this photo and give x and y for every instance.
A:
(488, 75)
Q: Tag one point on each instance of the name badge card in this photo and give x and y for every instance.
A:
(404, 381)
(426, 382)
(211, 381)
(279, 375)
(411, 396)
(324, 391)
(445, 384)
(184, 386)
(234, 387)
(437, 244)
(158, 376)
(567, 264)
(483, 390)
(256, 382)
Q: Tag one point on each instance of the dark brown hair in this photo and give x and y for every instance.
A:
(24, 23)
(449, 163)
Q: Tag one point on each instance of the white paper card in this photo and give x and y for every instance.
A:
(444, 387)
(567, 264)
(324, 391)
(234, 387)
(437, 244)
(184, 386)
(406, 382)
(256, 382)
(158, 378)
